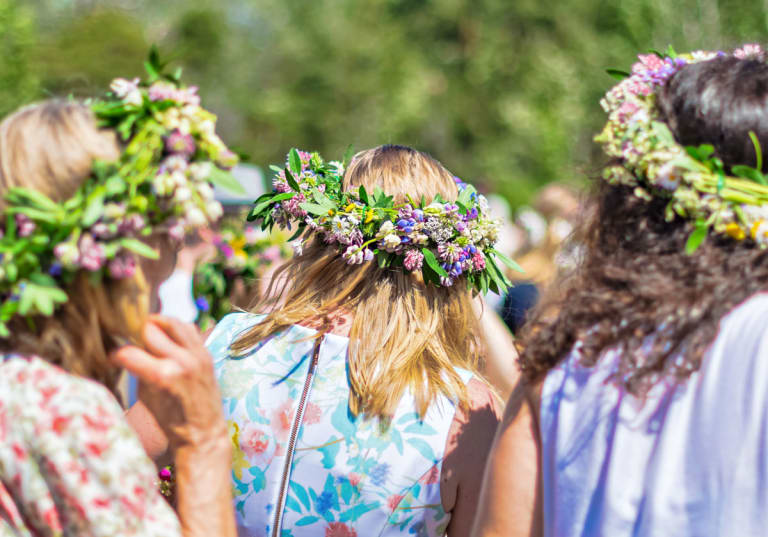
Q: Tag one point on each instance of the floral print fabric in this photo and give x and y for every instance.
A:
(69, 463)
(349, 477)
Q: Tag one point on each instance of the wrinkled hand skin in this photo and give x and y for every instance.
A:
(179, 388)
(178, 385)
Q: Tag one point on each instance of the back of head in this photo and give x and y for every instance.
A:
(50, 148)
(405, 334)
(638, 289)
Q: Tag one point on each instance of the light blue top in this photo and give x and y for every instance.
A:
(348, 477)
(690, 461)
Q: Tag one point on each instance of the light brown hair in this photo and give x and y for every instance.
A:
(50, 147)
(405, 335)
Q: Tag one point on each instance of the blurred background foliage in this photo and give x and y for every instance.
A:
(504, 93)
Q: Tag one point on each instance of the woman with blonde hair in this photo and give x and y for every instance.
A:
(86, 191)
(353, 403)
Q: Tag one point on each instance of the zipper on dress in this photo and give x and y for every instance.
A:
(298, 418)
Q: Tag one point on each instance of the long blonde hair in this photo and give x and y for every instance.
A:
(50, 147)
(404, 335)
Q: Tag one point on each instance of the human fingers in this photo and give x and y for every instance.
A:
(183, 334)
(158, 342)
(143, 365)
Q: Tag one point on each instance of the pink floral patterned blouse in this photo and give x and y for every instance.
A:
(69, 463)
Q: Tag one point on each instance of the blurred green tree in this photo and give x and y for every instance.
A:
(18, 82)
(506, 94)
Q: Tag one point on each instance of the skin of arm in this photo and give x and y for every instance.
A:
(500, 353)
(510, 501)
(149, 432)
(467, 447)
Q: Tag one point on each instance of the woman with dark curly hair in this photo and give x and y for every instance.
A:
(645, 396)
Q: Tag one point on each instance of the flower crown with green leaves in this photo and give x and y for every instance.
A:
(693, 178)
(444, 240)
(161, 182)
(243, 253)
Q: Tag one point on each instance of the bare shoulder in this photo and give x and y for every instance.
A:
(468, 444)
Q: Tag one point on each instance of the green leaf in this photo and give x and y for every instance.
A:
(747, 172)
(276, 169)
(259, 208)
(24, 196)
(720, 181)
(348, 154)
(294, 161)
(139, 248)
(224, 179)
(618, 74)
(314, 208)
(662, 132)
(671, 53)
(362, 193)
(4, 332)
(93, 210)
(291, 181)
(465, 197)
(758, 150)
(506, 260)
(115, 185)
(697, 237)
(431, 260)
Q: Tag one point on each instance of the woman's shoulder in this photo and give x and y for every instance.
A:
(228, 329)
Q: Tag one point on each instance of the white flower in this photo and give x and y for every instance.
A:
(127, 90)
(113, 211)
(298, 247)
(174, 163)
(205, 191)
(182, 194)
(214, 210)
(419, 238)
(163, 185)
(760, 233)
(200, 171)
(668, 177)
(179, 179)
(391, 242)
(386, 228)
(195, 217)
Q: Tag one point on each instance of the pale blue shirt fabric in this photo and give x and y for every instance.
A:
(690, 460)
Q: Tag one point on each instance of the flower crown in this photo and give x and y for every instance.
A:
(444, 240)
(161, 182)
(243, 252)
(693, 178)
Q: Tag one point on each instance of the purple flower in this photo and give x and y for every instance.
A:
(122, 266)
(449, 252)
(450, 208)
(164, 474)
(202, 304)
(472, 213)
(418, 215)
(101, 231)
(460, 226)
(406, 212)
(414, 260)
(478, 260)
(368, 255)
(132, 224)
(25, 227)
(227, 250)
(55, 270)
(92, 254)
(353, 255)
(406, 225)
(180, 144)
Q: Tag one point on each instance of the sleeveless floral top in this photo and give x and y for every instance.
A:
(303, 465)
(69, 462)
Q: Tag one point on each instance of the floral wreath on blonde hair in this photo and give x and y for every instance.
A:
(693, 178)
(443, 240)
(243, 254)
(161, 182)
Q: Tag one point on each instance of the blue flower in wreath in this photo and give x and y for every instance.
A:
(202, 304)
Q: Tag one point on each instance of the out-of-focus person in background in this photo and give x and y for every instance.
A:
(643, 407)
(75, 305)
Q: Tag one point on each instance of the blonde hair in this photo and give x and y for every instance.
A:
(405, 335)
(50, 147)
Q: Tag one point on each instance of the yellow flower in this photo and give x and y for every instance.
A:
(349, 208)
(238, 243)
(735, 231)
(368, 216)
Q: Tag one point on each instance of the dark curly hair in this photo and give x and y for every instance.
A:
(636, 290)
